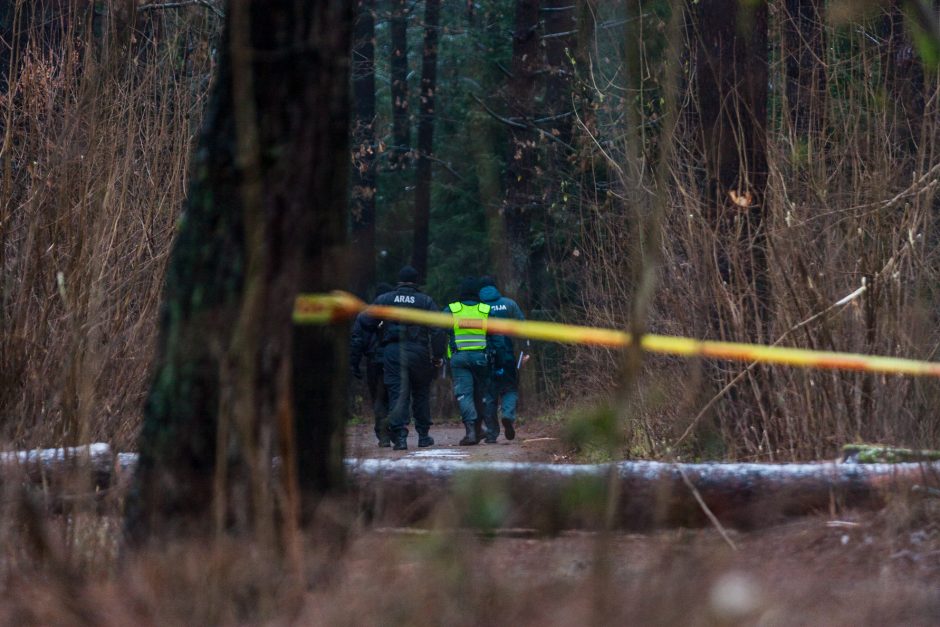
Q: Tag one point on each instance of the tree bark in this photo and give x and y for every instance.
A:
(730, 78)
(522, 202)
(401, 122)
(422, 214)
(234, 383)
(364, 148)
(804, 56)
(903, 79)
(584, 97)
(320, 354)
(560, 39)
(730, 41)
(551, 498)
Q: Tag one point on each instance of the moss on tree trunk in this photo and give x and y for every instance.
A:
(234, 384)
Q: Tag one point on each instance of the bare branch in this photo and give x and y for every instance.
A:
(522, 125)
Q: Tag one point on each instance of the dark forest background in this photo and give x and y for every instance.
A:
(713, 169)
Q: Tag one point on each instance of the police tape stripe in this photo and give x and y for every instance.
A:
(337, 306)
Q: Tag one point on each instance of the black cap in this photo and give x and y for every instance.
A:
(408, 275)
(487, 281)
(469, 289)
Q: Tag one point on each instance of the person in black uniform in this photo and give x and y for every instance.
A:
(368, 346)
(410, 354)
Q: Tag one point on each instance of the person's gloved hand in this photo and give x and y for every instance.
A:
(356, 372)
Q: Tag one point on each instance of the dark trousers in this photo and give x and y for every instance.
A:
(504, 386)
(375, 374)
(408, 373)
(471, 374)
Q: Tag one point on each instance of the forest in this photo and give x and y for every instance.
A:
(174, 174)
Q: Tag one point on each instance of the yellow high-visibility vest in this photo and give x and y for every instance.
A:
(469, 339)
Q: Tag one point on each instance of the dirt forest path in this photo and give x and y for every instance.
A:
(846, 567)
(533, 443)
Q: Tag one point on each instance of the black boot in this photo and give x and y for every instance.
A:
(509, 428)
(425, 440)
(471, 437)
(478, 429)
(401, 441)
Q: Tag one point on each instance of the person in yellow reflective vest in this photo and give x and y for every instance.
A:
(468, 362)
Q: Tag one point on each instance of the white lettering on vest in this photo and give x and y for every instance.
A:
(499, 308)
(404, 299)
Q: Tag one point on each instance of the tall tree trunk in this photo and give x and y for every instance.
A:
(804, 57)
(232, 376)
(803, 25)
(522, 202)
(364, 148)
(320, 353)
(560, 41)
(903, 79)
(583, 96)
(422, 215)
(401, 124)
(730, 40)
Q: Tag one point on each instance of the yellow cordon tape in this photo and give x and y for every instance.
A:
(338, 306)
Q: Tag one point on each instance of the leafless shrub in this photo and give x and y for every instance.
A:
(853, 207)
(98, 130)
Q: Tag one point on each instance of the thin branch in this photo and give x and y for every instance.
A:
(841, 303)
(552, 118)
(705, 508)
(923, 182)
(504, 69)
(497, 116)
(610, 160)
(445, 164)
(604, 26)
(522, 125)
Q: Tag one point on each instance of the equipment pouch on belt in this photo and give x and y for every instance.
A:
(491, 357)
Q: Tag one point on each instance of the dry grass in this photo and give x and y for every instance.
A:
(861, 211)
(861, 569)
(98, 133)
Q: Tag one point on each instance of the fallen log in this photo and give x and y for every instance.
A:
(553, 497)
(90, 464)
(647, 494)
(881, 453)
